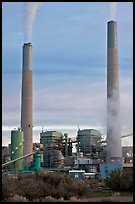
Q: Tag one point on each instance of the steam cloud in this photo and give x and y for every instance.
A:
(31, 9)
(112, 10)
(113, 125)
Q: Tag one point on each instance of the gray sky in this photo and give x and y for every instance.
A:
(69, 66)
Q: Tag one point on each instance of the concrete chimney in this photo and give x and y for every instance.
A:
(114, 148)
(26, 104)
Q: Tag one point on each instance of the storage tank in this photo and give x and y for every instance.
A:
(36, 161)
(17, 148)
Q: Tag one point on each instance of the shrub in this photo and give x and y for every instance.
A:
(30, 188)
(16, 198)
(39, 186)
(120, 180)
(48, 199)
(8, 187)
(73, 199)
(52, 178)
(92, 184)
(80, 188)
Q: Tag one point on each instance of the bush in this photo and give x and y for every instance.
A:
(61, 191)
(8, 187)
(16, 198)
(48, 199)
(39, 186)
(93, 184)
(30, 188)
(78, 189)
(120, 180)
(52, 178)
(73, 199)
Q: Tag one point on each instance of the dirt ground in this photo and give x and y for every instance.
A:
(110, 198)
(128, 198)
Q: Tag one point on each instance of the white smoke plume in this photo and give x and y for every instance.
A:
(31, 9)
(112, 10)
(114, 125)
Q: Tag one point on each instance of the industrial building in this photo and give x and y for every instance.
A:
(5, 154)
(52, 146)
(89, 142)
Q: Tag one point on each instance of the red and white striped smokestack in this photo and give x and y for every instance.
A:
(26, 104)
(114, 148)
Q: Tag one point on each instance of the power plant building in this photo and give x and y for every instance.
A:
(88, 141)
(52, 146)
(26, 103)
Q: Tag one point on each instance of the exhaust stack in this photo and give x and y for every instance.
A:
(114, 148)
(26, 104)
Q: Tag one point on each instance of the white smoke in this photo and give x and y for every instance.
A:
(112, 10)
(31, 9)
(113, 113)
(114, 125)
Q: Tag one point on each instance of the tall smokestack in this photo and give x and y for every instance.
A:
(114, 148)
(26, 105)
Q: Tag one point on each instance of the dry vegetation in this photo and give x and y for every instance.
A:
(59, 187)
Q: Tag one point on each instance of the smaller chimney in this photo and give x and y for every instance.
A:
(26, 104)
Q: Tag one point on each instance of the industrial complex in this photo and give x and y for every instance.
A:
(93, 156)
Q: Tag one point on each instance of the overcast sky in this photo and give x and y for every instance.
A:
(69, 66)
